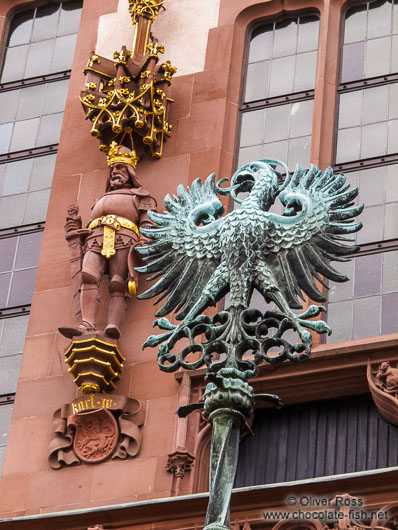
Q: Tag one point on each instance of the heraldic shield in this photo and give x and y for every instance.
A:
(96, 435)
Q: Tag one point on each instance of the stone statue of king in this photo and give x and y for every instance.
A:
(107, 245)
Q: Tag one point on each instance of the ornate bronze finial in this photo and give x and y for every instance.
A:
(126, 99)
(200, 255)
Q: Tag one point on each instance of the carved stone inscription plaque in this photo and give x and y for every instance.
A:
(96, 427)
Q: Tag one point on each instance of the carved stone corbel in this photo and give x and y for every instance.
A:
(383, 386)
(179, 463)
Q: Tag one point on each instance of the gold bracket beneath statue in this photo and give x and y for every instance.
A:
(94, 363)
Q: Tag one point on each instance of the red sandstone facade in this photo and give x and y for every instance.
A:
(205, 118)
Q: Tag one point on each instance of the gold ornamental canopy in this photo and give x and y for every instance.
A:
(126, 98)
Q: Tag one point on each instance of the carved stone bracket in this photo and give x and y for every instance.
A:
(383, 386)
(94, 428)
(179, 463)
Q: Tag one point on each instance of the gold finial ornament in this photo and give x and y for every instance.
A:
(118, 153)
(95, 364)
(144, 8)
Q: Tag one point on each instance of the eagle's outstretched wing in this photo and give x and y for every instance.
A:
(300, 244)
(185, 246)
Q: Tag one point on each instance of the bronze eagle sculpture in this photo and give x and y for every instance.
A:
(198, 254)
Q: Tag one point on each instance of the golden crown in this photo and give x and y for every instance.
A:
(119, 153)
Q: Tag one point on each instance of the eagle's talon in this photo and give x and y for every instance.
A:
(164, 349)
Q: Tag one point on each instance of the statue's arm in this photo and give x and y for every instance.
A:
(145, 204)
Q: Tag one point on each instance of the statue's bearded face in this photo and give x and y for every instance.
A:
(119, 176)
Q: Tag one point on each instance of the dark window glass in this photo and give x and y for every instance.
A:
(21, 289)
(5, 136)
(7, 253)
(21, 28)
(28, 250)
(9, 371)
(69, 17)
(368, 123)
(14, 63)
(370, 48)
(281, 60)
(8, 104)
(357, 308)
(17, 177)
(368, 132)
(5, 279)
(12, 334)
(18, 264)
(41, 41)
(62, 58)
(46, 22)
(5, 420)
(24, 190)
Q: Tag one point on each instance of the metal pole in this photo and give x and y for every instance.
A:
(227, 405)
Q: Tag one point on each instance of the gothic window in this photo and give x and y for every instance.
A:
(33, 86)
(278, 97)
(367, 151)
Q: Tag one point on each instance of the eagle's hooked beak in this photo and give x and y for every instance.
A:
(246, 177)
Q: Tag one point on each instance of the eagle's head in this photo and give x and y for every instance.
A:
(260, 177)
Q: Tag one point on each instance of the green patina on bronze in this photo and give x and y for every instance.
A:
(200, 255)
